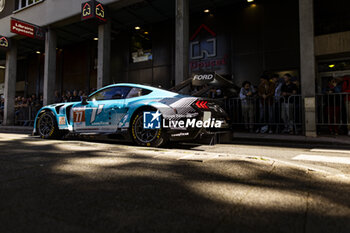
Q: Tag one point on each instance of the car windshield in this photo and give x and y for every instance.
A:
(111, 93)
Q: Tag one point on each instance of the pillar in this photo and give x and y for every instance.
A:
(104, 55)
(182, 41)
(50, 67)
(307, 65)
(10, 84)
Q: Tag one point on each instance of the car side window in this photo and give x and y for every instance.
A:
(137, 92)
(111, 93)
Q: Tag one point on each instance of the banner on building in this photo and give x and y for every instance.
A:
(27, 29)
(208, 51)
(4, 43)
(93, 10)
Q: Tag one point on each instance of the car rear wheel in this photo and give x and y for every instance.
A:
(146, 137)
(47, 126)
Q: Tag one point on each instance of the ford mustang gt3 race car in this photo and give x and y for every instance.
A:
(147, 115)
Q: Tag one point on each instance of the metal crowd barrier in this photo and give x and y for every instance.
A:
(1, 112)
(24, 116)
(275, 114)
(333, 110)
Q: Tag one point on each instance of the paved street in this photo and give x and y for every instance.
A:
(98, 186)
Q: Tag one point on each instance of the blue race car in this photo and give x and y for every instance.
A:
(147, 115)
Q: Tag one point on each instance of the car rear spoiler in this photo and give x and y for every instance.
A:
(216, 81)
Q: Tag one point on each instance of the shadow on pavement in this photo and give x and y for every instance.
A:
(45, 188)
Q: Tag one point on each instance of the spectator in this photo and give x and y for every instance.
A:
(279, 83)
(75, 97)
(81, 93)
(287, 111)
(2, 102)
(274, 108)
(333, 105)
(216, 93)
(64, 99)
(219, 93)
(41, 100)
(58, 98)
(68, 96)
(2, 106)
(84, 94)
(346, 89)
(265, 91)
(246, 95)
(24, 112)
(35, 104)
(18, 105)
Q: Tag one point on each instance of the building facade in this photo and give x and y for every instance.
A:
(162, 42)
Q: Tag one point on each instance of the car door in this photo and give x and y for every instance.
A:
(102, 112)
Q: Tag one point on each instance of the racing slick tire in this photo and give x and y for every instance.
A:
(47, 126)
(146, 137)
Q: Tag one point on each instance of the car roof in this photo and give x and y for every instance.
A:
(137, 86)
(134, 85)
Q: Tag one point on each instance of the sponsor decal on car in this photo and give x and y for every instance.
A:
(62, 120)
(203, 77)
(79, 116)
(180, 134)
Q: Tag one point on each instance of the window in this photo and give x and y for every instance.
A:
(333, 66)
(141, 46)
(112, 93)
(20, 4)
(137, 92)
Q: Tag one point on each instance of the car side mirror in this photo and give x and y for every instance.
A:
(84, 100)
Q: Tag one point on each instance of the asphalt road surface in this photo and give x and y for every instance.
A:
(95, 186)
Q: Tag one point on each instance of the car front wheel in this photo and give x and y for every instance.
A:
(47, 126)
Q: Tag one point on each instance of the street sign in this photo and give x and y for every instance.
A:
(4, 42)
(93, 10)
(27, 29)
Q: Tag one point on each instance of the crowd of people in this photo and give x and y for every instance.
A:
(336, 101)
(276, 102)
(273, 100)
(70, 96)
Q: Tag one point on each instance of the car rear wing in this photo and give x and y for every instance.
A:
(206, 81)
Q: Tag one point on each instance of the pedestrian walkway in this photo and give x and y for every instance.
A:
(16, 129)
(342, 140)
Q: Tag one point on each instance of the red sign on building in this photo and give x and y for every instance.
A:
(26, 29)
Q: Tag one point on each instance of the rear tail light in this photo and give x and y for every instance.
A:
(202, 104)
